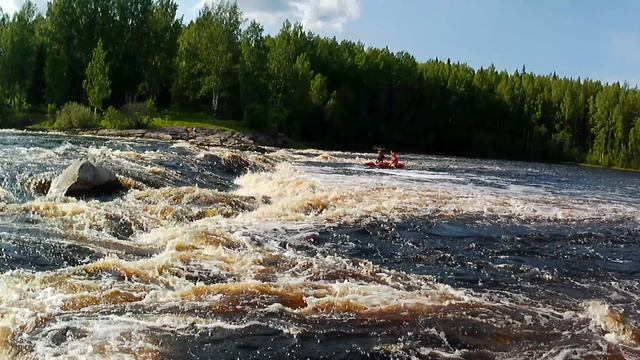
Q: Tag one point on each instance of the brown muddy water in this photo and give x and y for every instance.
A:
(224, 254)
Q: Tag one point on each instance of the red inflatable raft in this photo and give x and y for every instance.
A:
(384, 165)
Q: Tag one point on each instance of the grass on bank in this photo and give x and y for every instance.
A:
(172, 119)
(196, 120)
(44, 125)
(202, 120)
(165, 119)
(594, 166)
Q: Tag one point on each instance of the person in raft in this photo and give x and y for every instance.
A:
(394, 159)
(380, 158)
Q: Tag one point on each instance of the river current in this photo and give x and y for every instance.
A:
(225, 254)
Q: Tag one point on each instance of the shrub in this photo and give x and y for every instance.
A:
(139, 109)
(139, 114)
(159, 120)
(114, 119)
(256, 117)
(152, 109)
(263, 118)
(277, 118)
(74, 116)
(52, 109)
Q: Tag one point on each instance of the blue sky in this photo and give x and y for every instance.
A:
(599, 39)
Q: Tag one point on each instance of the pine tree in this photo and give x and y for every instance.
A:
(97, 84)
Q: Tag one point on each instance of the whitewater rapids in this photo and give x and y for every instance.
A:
(307, 254)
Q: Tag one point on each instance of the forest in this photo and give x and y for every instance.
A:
(106, 56)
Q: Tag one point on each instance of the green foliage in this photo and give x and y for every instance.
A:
(139, 38)
(18, 56)
(207, 53)
(256, 117)
(136, 115)
(285, 60)
(266, 118)
(74, 116)
(97, 84)
(52, 110)
(114, 119)
(317, 89)
(252, 70)
(160, 40)
(634, 145)
(196, 120)
(139, 110)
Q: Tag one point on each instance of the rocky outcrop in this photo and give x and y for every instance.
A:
(232, 164)
(278, 140)
(201, 137)
(39, 186)
(131, 184)
(83, 178)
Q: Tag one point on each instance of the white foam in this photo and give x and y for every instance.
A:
(251, 262)
(17, 131)
(617, 328)
(306, 193)
(4, 195)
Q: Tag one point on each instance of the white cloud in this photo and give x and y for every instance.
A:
(315, 15)
(327, 15)
(270, 12)
(324, 16)
(11, 6)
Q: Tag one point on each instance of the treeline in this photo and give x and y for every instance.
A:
(333, 93)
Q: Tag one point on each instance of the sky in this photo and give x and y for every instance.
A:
(598, 39)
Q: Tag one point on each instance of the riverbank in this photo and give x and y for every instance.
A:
(197, 128)
(251, 141)
(201, 129)
(594, 166)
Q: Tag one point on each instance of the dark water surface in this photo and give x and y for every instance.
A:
(225, 254)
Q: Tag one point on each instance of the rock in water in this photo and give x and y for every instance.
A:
(40, 185)
(82, 178)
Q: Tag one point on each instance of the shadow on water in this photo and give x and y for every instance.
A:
(496, 257)
(25, 157)
(331, 339)
(264, 342)
(39, 250)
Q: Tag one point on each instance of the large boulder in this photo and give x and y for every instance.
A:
(82, 178)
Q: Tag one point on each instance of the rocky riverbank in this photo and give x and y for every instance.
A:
(199, 136)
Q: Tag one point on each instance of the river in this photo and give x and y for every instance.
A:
(224, 254)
